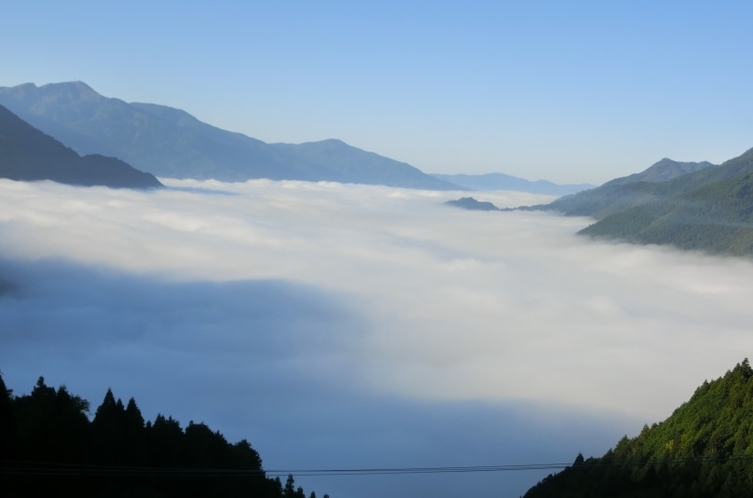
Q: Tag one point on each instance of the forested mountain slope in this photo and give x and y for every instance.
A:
(625, 192)
(709, 210)
(705, 449)
(700, 207)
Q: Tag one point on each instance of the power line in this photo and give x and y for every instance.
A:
(418, 470)
(15, 467)
(27, 468)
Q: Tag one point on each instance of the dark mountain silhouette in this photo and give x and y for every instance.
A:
(27, 154)
(705, 449)
(500, 181)
(171, 143)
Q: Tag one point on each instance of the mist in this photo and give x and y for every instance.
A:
(338, 326)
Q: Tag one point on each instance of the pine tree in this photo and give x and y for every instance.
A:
(134, 434)
(289, 491)
(108, 431)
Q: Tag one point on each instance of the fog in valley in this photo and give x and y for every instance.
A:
(344, 326)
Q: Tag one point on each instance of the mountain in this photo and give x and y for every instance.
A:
(709, 210)
(662, 171)
(704, 449)
(693, 206)
(28, 154)
(622, 193)
(500, 181)
(334, 160)
(171, 143)
(473, 204)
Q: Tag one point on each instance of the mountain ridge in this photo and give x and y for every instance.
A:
(624, 192)
(27, 154)
(170, 142)
(691, 206)
(709, 210)
(663, 170)
(502, 181)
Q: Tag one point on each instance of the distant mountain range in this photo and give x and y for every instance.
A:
(27, 154)
(705, 449)
(688, 205)
(500, 181)
(171, 143)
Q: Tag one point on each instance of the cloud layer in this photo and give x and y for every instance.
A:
(374, 322)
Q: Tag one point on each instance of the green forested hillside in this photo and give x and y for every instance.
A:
(708, 209)
(50, 447)
(622, 193)
(705, 449)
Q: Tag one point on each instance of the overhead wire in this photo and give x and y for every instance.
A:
(15, 467)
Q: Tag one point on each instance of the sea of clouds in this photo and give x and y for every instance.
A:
(340, 326)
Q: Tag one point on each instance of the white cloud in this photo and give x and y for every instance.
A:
(322, 288)
(461, 304)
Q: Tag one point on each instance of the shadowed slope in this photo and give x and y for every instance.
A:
(28, 154)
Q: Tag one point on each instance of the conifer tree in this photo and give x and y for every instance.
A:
(108, 430)
(52, 428)
(8, 429)
(289, 491)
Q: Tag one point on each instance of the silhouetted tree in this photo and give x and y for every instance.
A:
(289, 491)
(63, 451)
(134, 435)
(108, 431)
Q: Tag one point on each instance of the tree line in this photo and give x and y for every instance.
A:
(49, 444)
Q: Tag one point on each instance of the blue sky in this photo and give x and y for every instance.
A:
(568, 91)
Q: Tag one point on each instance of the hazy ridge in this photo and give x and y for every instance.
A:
(169, 142)
(501, 181)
